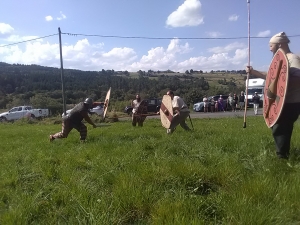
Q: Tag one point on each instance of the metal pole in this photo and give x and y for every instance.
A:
(247, 83)
(62, 73)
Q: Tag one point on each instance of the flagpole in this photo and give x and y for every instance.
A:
(247, 82)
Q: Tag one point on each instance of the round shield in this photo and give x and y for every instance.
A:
(166, 111)
(142, 109)
(107, 101)
(275, 88)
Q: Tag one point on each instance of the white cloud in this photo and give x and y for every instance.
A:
(17, 38)
(119, 53)
(187, 14)
(265, 33)
(229, 57)
(160, 58)
(213, 34)
(6, 28)
(62, 16)
(218, 61)
(175, 47)
(48, 18)
(84, 55)
(239, 56)
(227, 48)
(233, 17)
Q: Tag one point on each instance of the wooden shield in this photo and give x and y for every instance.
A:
(106, 100)
(166, 111)
(142, 109)
(275, 88)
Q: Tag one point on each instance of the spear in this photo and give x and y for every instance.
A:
(247, 83)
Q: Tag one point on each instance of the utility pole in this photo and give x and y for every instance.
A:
(62, 73)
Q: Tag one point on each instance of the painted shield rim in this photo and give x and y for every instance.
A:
(283, 56)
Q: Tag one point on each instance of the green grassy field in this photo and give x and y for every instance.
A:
(220, 173)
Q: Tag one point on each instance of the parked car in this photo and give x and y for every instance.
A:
(19, 112)
(153, 105)
(99, 110)
(199, 107)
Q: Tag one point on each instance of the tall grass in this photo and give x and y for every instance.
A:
(219, 173)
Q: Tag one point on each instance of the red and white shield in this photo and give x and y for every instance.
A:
(275, 88)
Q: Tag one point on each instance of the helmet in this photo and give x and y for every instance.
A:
(89, 102)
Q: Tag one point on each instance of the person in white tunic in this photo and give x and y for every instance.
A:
(181, 112)
(137, 119)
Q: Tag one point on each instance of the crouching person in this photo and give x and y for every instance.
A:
(74, 120)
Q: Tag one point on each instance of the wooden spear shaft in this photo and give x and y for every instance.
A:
(247, 83)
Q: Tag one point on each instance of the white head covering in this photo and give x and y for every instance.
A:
(279, 38)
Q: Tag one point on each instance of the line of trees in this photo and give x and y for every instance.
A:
(41, 86)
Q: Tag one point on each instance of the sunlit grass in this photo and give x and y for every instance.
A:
(220, 173)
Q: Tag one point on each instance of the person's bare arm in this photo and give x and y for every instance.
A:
(255, 73)
(97, 104)
(176, 110)
(88, 119)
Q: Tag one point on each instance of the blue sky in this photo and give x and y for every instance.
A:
(170, 19)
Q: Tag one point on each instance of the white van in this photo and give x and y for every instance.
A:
(255, 85)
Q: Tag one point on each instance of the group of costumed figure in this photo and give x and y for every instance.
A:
(281, 108)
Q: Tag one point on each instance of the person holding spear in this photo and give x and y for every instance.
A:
(283, 128)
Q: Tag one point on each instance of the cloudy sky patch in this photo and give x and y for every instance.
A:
(187, 14)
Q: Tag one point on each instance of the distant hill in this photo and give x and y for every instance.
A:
(42, 86)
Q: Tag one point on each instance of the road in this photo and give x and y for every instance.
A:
(193, 114)
(250, 112)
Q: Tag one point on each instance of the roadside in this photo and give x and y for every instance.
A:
(193, 114)
(250, 112)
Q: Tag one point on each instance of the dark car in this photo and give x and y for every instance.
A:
(153, 105)
(199, 107)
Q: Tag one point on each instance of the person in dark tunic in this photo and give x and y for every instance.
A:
(74, 120)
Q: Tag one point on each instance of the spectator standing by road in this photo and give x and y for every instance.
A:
(235, 102)
(221, 103)
(242, 101)
(216, 106)
(205, 104)
(256, 100)
(229, 102)
(212, 105)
